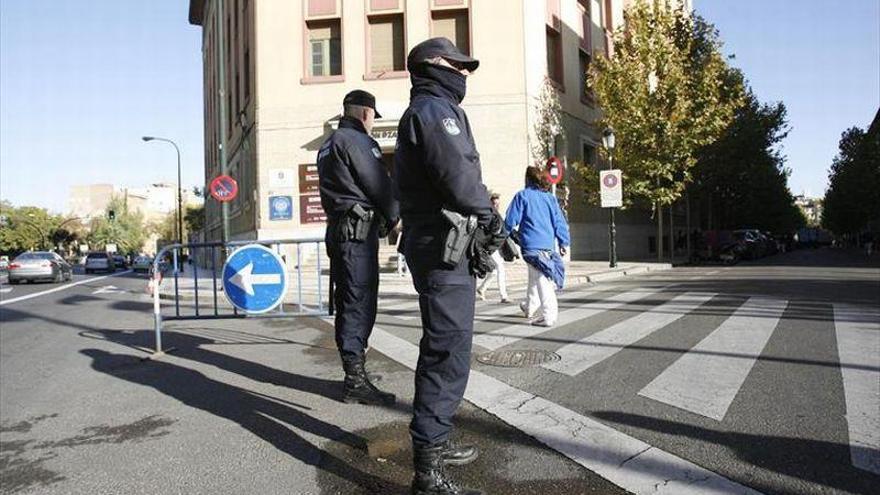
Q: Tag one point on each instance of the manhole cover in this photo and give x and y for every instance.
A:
(521, 358)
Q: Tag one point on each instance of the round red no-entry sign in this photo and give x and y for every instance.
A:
(554, 170)
(224, 188)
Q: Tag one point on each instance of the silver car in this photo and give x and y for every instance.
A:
(99, 262)
(39, 265)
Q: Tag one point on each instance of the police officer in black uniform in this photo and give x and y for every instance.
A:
(356, 196)
(436, 168)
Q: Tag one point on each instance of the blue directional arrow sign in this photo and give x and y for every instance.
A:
(254, 279)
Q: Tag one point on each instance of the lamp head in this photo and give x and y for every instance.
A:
(148, 138)
(608, 138)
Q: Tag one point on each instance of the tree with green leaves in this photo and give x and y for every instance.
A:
(119, 226)
(852, 201)
(666, 92)
(740, 180)
(26, 228)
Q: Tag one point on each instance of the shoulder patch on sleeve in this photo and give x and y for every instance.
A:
(451, 126)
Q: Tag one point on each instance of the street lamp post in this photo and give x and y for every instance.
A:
(179, 186)
(608, 142)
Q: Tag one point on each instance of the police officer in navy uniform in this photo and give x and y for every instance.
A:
(356, 196)
(436, 167)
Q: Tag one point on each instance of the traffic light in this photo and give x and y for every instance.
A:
(111, 214)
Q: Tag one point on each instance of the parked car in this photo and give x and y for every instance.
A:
(751, 243)
(99, 262)
(39, 265)
(142, 264)
(119, 261)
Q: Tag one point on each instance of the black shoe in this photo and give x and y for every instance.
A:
(458, 455)
(430, 477)
(358, 388)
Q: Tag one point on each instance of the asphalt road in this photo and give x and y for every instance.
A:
(758, 378)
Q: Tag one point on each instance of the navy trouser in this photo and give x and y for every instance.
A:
(446, 301)
(354, 267)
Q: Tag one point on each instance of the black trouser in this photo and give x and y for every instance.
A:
(446, 301)
(354, 267)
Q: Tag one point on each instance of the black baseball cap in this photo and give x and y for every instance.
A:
(440, 47)
(362, 98)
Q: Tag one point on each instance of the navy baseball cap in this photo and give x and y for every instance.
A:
(362, 98)
(440, 47)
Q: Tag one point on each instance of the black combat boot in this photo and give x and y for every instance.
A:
(458, 455)
(430, 477)
(359, 389)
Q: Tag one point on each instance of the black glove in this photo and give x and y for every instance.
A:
(487, 239)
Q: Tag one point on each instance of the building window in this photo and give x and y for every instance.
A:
(586, 93)
(453, 25)
(387, 44)
(588, 155)
(325, 48)
(554, 56)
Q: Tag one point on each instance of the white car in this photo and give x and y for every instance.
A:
(99, 262)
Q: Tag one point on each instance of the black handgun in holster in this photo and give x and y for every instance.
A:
(461, 231)
(355, 225)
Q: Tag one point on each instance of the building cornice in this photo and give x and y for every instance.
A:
(196, 11)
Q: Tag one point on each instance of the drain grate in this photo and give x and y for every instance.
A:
(519, 358)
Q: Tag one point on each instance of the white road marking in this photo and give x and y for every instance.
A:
(625, 461)
(4, 290)
(858, 344)
(512, 333)
(109, 289)
(706, 379)
(63, 287)
(587, 352)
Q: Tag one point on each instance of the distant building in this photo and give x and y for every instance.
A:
(812, 209)
(154, 201)
(289, 63)
(89, 201)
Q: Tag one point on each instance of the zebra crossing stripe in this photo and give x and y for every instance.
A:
(706, 379)
(858, 344)
(623, 460)
(512, 333)
(585, 353)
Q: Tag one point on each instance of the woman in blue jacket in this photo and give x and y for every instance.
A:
(539, 224)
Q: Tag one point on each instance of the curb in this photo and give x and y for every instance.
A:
(616, 274)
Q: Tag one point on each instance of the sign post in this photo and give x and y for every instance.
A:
(254, 279)
(611, 190)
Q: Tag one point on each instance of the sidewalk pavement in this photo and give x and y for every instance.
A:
(258, 402)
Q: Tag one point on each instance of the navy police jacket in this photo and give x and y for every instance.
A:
(436, 164)
(351, 171)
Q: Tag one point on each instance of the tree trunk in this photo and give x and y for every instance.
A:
(671, 234)
(687, 234)
(659, 211)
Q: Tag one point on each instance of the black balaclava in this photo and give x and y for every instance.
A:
(432, 77)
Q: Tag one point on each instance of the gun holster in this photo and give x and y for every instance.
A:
(461, 232)
(355, 224)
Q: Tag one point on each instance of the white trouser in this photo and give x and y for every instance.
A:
(541, 294)
(497, 272)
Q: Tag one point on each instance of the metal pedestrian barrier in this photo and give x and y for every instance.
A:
(209, 257)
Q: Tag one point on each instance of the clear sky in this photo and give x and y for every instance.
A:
(821, 58)
(82, 81)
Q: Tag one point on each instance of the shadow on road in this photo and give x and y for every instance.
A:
(824, 463)
(260, 415)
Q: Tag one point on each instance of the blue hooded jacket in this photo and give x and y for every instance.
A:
(539, 220)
